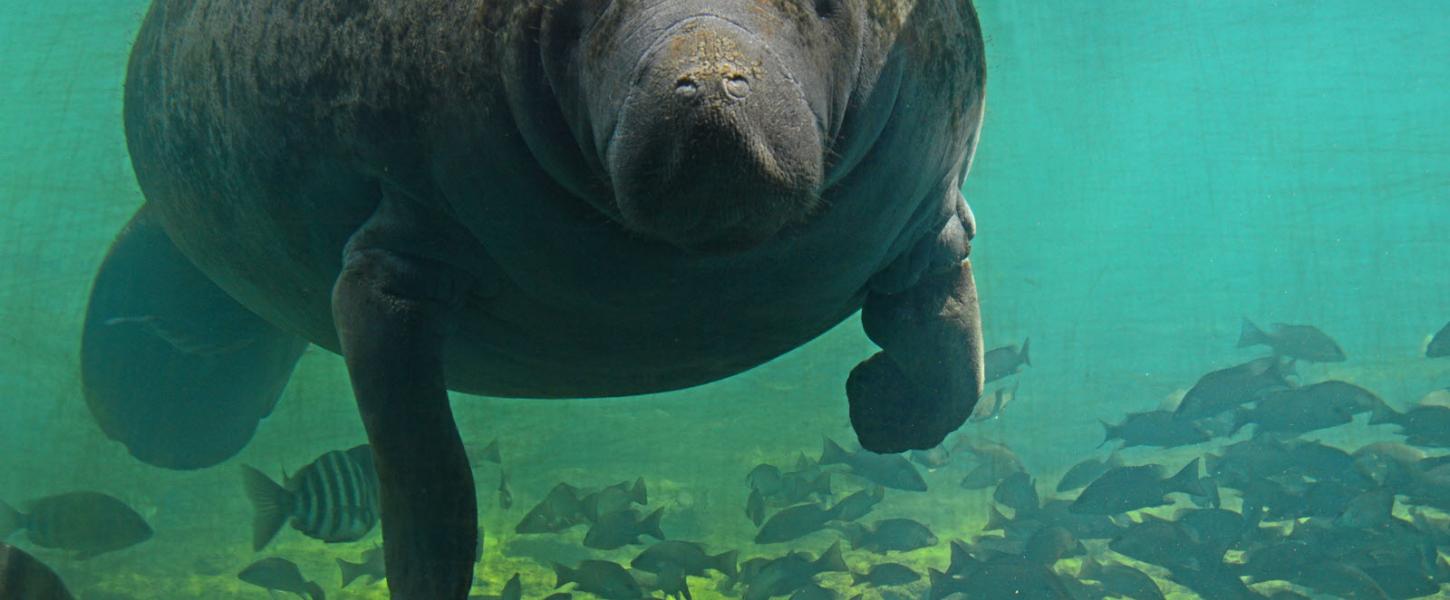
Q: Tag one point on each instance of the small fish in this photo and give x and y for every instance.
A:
(886, 575)
(1003, 576)
(933, 459)
(1439, 345)
(768, 578)
(614, 498)
(1130, 488)
(558, 511)
(1158, 428)
(599, 577)
(689, 557)
(1160, 542)
(1223, 390)
(794, 522)
(1294, 410)
(513, 589)
(22, 577)
(281, 575)
(813, 591)
(1051, 544)
(1006, 360)
(1121, 580)
(887, 535)
(991, 406)
(755, 507)
(1018, 492)
(1304, 342)
(333, 499)
(766, 479)
(622, 528)
(478, 455)
(859, 504)
(994, 462)
(84, 523)
(505, 495)
(372, 567)
(1086, 471)
(1425, 425)
(890, 470)
(1368, 510)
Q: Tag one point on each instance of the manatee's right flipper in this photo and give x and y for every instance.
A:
(393, 311)
(172, 366)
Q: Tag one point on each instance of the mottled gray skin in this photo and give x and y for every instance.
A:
(546, 198)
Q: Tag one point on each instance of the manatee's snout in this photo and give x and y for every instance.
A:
(715, 147)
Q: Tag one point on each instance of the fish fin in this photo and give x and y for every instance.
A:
(650, 526)
(11, 521)
(513, 590)
(348, 571)
(1251, 335)
(638, 493)
(272, 502)
(176, 405)
(858, 578)
(315, 591)
(563, 575)
(1241, 418)
(822, 485)
(995, 519)
(727, 563)
(832, 453)
(962, 558)
(1091, 569)
(1110, 432)
(1186, 480)
(831, 560)
(1022, 354)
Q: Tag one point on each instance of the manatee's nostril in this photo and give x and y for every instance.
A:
(686, 87)
(737, 86)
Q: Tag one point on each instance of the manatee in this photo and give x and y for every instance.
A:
(532, 198)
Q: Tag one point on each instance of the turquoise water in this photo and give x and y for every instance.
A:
(1149, 174)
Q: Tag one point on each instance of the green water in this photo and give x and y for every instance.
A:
(1149, 174)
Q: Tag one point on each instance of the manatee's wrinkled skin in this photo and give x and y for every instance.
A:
(545, 198)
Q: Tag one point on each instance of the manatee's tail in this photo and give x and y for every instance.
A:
(11, 521)
(350, 571)
(272, 502)
(1251, 335)
(1022, 354)
(832, 453)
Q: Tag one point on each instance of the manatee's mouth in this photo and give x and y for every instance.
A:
(714, 148)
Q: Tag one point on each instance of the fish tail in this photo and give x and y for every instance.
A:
(1251, 335)
(349, 571)
(1186, 480)
(563, 575)
(272, 502)
(638, 493)
(996, 520)
(854, 532)
(650, 526)
(1110, 432)
(1241, 418)
(726, 563)
(11, 520)
(491, 453)
(1022, 354)
(832, 453)
(822, 484)
(1091, 569)
(961, 560)
(831, 560)
(315, 591)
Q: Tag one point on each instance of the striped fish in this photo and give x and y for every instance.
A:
(334, 499)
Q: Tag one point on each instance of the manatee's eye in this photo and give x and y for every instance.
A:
(825, 9)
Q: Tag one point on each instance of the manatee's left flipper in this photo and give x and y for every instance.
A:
(928, 377)
(172, 366)
(393, 313)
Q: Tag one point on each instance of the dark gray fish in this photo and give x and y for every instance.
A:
(1226, 389)
(1214, 530)
(794, 522)
(622, 528)
(1000, 578)
(993, 463)
(991, 405)
(766, 479)
(890, 470)
(83, 523)
(512, 590)
(755, 507)
(1086, 471)
(1018, 492)
(1006, 360)
(372, 567)
(1121, 580)
(1051, 544)
(933, 459)
(1402, 581)
(781, 576)
(689, 557)
(813, 591)
(1214, 582)
(1309, 408)
(1440, 344)
(333, 499)
(886, 535)
(1161, 542)
(1158, 428)
(1389, 464)
(505, 495)
(601, 578)
(1130, 488)
(1426, 425)
(1341, 581)
(801, 485)
(481, 454)
(1368, 510)
(671, 582)
(886, 575)
(1083, 527)
(858, 504)
(558, 511)
(282, 575)
(1303, 342)
(22, 577)
(614, 498)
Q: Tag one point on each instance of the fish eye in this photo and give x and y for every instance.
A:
(825, 9)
